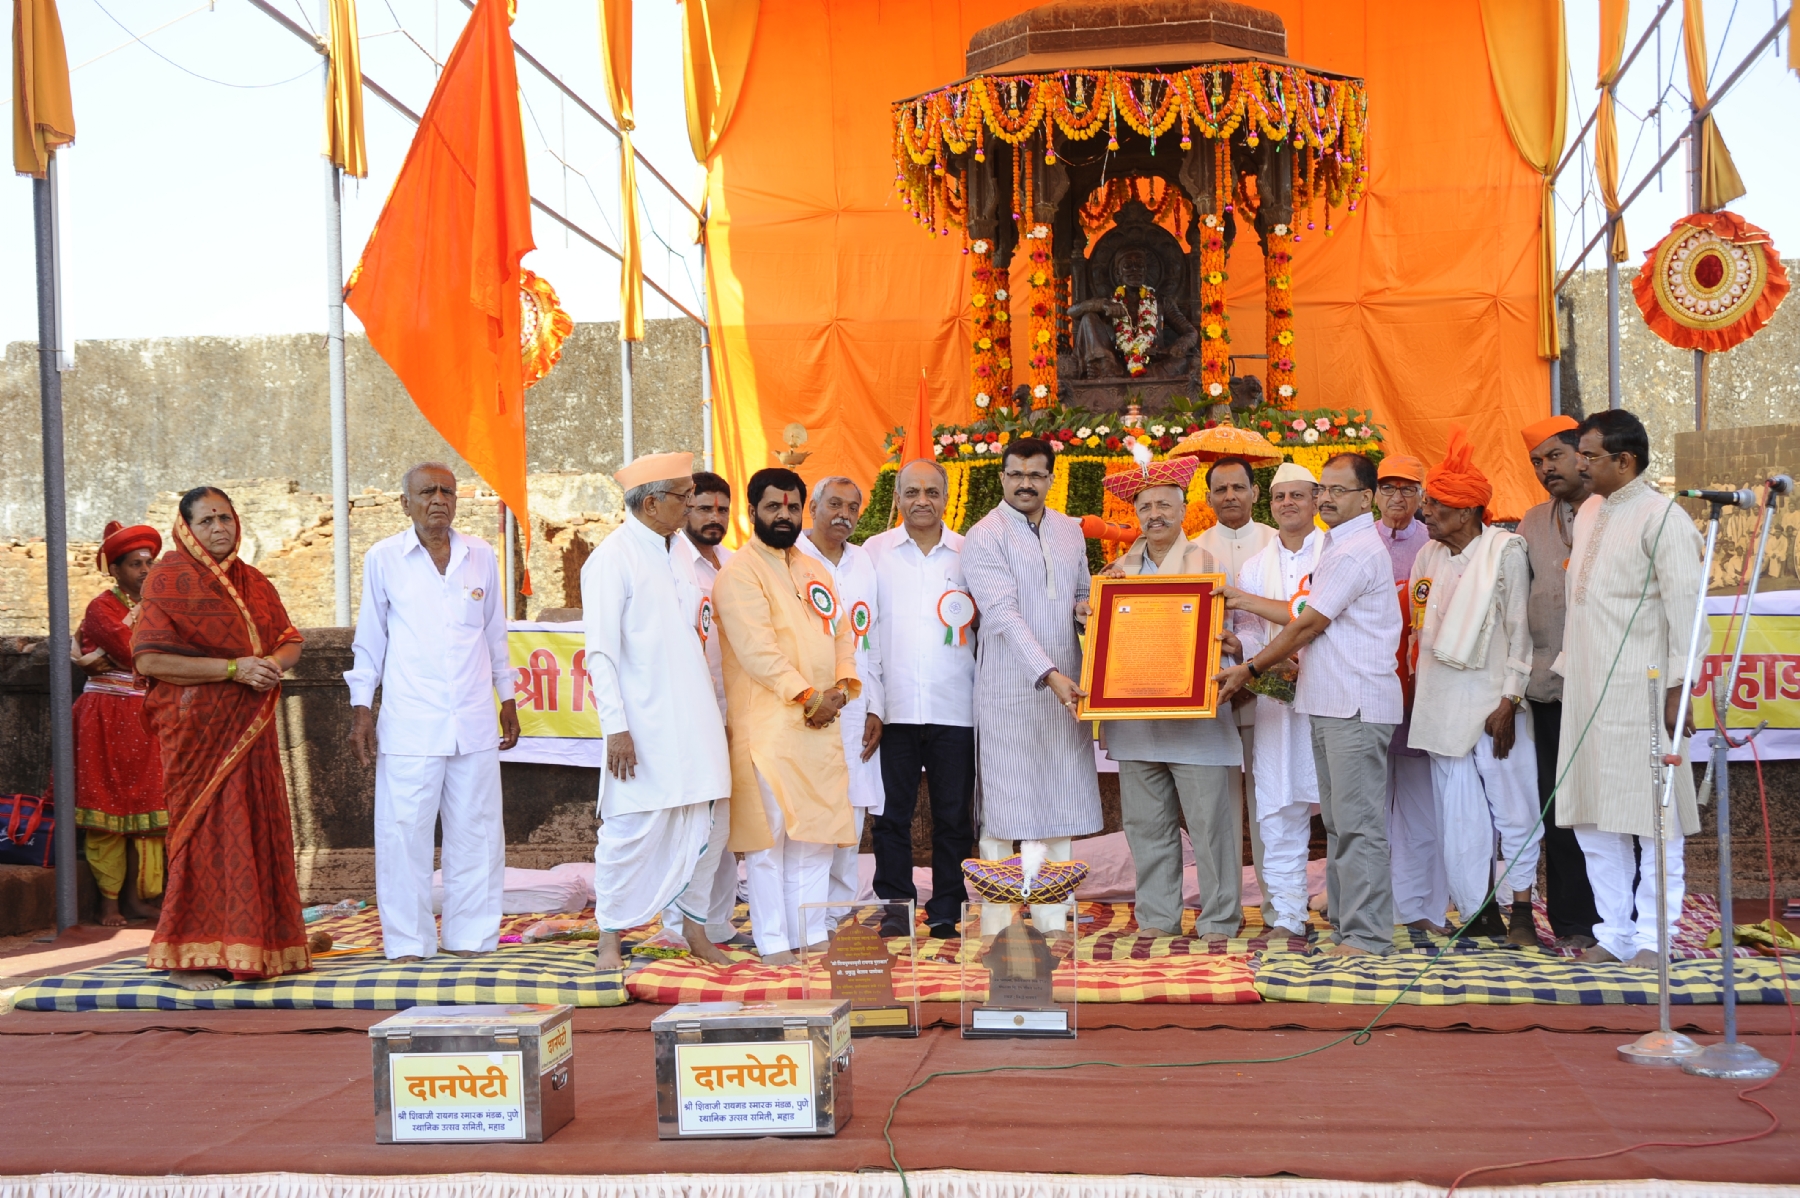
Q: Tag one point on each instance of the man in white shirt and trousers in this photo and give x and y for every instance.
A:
(698, 556)
(836, 504)
(666, 762)
(1470, 587)
(1287, 788)
(432, 634)
(926, 637)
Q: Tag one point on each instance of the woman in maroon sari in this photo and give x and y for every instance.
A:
(213, 638)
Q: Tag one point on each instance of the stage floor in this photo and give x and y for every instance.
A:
(1434, 1091)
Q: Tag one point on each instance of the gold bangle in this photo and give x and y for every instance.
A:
(231, 669)
(813, 704)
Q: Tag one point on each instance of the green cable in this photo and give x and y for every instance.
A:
(1367, 1031)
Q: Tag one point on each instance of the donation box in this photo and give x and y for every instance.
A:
(778, 1068)
(450, 1074)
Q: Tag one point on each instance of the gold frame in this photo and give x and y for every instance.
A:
(1097, 595)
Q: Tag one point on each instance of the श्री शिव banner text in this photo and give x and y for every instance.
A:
(550, 683)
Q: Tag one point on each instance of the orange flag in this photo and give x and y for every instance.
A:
(43, 116)
(918, 429)
(438, 285)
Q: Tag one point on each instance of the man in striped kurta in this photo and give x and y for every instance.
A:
(1634, 575)
(1027, 570)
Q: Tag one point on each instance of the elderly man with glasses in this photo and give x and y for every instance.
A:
(1350, 630)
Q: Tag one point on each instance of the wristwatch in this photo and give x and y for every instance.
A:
(1517, 701)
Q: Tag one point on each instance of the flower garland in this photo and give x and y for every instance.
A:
(1042, 347)
(1325, 427)
(986, 380)
(1135, 339)
(1215, 338)
(1278, 329)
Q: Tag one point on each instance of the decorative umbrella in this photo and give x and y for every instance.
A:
(1227, 441)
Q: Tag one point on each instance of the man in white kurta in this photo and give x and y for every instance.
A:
(1634, 576)
(665, 741)
(1470, 588)
(836, 504)
(698, 556)
(432, 634)
(1286, 783)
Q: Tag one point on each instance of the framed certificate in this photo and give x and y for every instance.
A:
(1150, 651)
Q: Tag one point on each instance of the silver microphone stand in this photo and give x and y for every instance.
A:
(1729, 1058)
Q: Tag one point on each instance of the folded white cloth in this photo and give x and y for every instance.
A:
(535, 891)
(1462, 641)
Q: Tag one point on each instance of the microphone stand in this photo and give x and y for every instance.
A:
(1730, 1058)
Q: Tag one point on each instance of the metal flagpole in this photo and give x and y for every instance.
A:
(340, 431)
(627, 452)
(56, 541)
(706, 396)
(1614, 385)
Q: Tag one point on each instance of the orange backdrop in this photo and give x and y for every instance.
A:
(827, 298)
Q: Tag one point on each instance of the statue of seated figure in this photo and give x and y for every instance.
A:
(1127, 331)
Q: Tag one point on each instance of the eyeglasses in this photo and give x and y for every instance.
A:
(1398, 488)
(1019, 476)
(1591, 458)
(1340, 492)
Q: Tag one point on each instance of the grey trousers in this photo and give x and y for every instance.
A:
(1152, 798)
(1352, 759)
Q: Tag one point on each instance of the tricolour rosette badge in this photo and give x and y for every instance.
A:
(957, 611)
(824, 603)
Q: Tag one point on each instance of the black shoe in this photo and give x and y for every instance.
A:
(1487, 923)
(945, 931)
(893, 926)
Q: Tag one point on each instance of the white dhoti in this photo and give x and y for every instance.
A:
(411, 795)
(711, 894)
(1286, 793)
(1045, 917)
(1421, 890)
(844, 879)
(644, 861)
(1610, 865)
(1478, 794)
(1286, 838)
(782, 878)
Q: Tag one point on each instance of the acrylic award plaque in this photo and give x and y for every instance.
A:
(1018, 970)
(868, 959)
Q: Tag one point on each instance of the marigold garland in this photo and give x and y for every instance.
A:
(1215, 336)
(1042, 345)
(1278, 328)
(986, 384)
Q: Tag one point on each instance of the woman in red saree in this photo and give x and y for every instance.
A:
(213, 638)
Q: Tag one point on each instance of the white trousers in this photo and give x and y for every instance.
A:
(1610, 867)
(843, 867)
(783, 878)
(644, 860)
(411, 795)
(1045, 917)
(1286, 837)
(1416, 856)
(1478, 795)
(711, 894)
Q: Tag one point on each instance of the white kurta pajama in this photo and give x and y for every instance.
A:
(853, 577)
(712, 891)
(1286, 783)
(1474, 645)
(648, 670)
(436, 645)
(1634, 576)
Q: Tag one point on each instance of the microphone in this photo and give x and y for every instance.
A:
(1781, 484)
(1745, 499)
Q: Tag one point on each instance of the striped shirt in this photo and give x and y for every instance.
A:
(1349, 669)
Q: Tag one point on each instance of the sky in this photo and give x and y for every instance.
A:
(194, 194)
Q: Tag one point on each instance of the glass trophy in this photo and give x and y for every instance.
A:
(1015, 960)
(868, 959)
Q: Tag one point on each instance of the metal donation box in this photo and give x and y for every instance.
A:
(474, 1073)
(753, 1069)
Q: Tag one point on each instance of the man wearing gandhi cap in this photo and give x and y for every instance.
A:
(666, 762)
(1469, 589)
(1287, 782)
(1549, 532)
(1174, 768)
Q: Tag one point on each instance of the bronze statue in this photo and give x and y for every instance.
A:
(1129, 330)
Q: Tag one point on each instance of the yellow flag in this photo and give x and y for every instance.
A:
(1613, 17)
(343, 93)
(1719, 180)
(43, 114)
(615, 53)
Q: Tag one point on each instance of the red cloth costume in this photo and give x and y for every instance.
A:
(118, 764)
(232, 902)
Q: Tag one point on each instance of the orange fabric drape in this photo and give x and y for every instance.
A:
(918, 429)
(615, 55)
(826, 298)
(43, 113)
(1528, 58)
(1613, 17)
(344, 143)
(438, 285)
(1719, 180)
(716, 36)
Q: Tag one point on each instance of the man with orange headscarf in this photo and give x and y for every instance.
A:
(118, 765)
(1473, 657)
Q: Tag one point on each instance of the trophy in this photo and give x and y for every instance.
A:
(869, 958)
(1018, 944)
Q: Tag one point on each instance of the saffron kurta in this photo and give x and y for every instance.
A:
(1617, 558)
(1034, 762)
(775, 646)
(118, 764)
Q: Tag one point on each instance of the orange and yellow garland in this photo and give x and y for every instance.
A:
(1278, 306)
(988, 383)
(1042, 345)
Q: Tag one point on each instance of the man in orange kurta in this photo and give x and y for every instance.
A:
(790, 666)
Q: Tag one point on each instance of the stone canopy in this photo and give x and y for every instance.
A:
(1091, 33)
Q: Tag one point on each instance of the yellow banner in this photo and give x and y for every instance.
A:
(550, 684)
(1768, 678)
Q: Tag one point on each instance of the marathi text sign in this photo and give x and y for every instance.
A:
(457, 1096)
(1768, 678)
(745, 1086)
(550, 684)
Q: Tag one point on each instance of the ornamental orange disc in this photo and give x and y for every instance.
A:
(543, 326)
(1711, 283)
